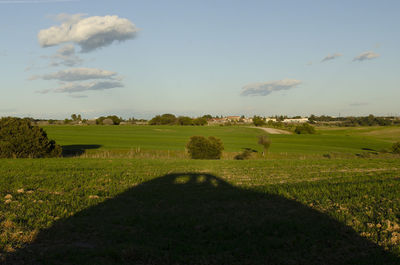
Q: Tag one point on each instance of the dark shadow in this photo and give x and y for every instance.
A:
(368, 149)
(250, 149)
(77, 149)
(193, 218)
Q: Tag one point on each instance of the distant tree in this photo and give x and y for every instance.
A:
(74, 117)
(305, 128)
(200, 121)
(20, 139)
(200, 147)
(265, 142)
(184, 120)
(165, 119)
(258, 121)
(115, 120)
(208, 117)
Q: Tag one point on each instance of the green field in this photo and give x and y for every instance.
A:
(304, 209)
(234, 138)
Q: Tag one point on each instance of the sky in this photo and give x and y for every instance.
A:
(143, 58)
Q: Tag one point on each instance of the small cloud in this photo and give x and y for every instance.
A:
(331, 57)
(266, 88)
(358, 104)
(77, 74)
(80, 87)
(65, 56)
(366, 56)
(89, 33)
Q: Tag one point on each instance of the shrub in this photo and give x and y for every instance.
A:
(265, 142)
(246, 154)
(305, 129)
(19, 139)
(396, 148)
(200, 147)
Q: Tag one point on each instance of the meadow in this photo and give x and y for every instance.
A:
(235, 138)
(302, 208)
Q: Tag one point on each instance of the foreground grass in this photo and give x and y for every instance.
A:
(118, 211)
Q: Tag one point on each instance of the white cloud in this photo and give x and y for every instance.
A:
(65, 56)
(366, 56)
(89, 33)
(80, 87)
(78, 74)
(266, 88)
(331, 57)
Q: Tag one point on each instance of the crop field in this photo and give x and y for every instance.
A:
(302, 209)
(235, 138)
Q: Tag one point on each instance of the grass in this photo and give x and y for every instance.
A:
(235, 138)
(122, 201)
(138, 211)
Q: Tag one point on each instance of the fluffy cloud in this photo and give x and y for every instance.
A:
(78, 74)
(366, 56)
(266, 88)
(331, 57)
(80, 87)
(65, 56)
(89, 33)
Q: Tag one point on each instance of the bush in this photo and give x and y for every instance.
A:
(265, 142)
(305, 129)
(246, 154)
(200, 147)
(396, 148)
(19, 139)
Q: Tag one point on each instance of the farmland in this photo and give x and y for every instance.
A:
(298, 206)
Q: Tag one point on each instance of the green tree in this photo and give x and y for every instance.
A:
(258, 121)
(20, 139)
(200, 147)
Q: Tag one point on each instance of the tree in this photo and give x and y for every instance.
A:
(258, 121)
(265, 142)
(20, 139)
(200, 121)
(184, 120)
(200, 147)
(305, 128)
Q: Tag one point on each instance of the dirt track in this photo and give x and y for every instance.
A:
(273, 130)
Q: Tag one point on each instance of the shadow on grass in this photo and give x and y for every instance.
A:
(193, 218)
(77, 149)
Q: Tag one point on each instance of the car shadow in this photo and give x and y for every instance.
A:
(198, 218)
(77, 149)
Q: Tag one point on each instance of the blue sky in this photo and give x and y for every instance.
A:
(199, 57)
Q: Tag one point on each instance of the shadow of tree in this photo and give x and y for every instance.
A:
(77, 149)
(194, 218)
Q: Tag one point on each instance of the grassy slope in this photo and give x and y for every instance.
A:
(106, 211)
(234, 138)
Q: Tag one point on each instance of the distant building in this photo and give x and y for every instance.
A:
(233, 118)
(301, 120)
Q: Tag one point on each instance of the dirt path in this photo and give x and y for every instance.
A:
(272, 130)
